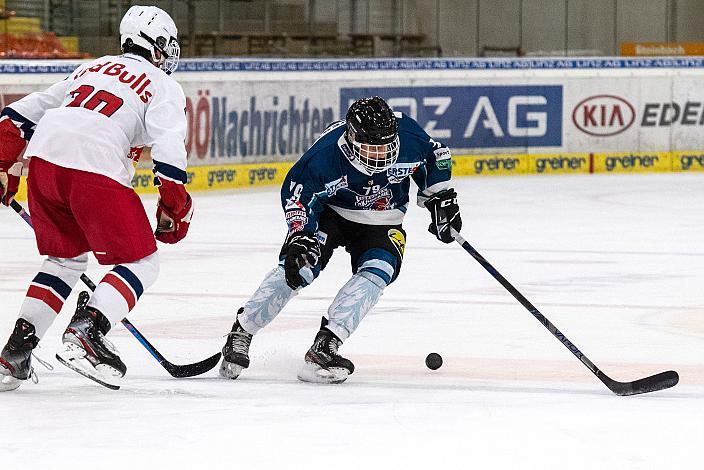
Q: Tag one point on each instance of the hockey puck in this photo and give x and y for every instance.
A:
(433, 361)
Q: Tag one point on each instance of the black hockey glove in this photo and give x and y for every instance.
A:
(301, 248)
(445, 213)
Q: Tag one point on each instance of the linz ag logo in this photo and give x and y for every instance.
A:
(482, 117)
(603, 115)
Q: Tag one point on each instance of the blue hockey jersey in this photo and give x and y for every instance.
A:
(326, 176)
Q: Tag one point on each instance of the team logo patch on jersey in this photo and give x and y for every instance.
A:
(296, 219)
(334, 186)
(322, 237)
(378, 201)
(398, 239)
(443, 158)
(400, 171)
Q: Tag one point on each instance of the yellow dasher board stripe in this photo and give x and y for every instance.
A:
(633, 162)
(687, 161)
(210, 178)
(215, 177)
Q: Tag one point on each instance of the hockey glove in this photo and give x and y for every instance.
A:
(302, 248)
(445, 214)
(12, 145)
(173, 213)
(9, 183)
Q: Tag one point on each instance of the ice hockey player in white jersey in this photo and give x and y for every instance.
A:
(81, 131)
(351, 190)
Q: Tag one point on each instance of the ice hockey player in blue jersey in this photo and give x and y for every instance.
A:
(351, 190)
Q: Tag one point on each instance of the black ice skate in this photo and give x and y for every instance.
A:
(323, 364)
(235, 353)
(16, 356)
(86, 349)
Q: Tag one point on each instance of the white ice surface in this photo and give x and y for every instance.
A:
(616, 262)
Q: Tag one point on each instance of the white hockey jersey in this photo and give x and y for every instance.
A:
(90, 120)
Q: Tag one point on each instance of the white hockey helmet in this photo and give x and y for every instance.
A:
(154, 30)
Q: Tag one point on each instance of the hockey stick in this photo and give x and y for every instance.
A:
(653, 383)
(178, 371)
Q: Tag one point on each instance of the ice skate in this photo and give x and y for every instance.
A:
(16, 356)
(86, 349)
(235, 353)
(323, 364)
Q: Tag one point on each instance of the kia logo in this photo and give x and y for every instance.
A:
(603, 115)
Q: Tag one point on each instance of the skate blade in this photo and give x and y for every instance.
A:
(9, 382)
(230, 370)
(74, 357)
(313, 373)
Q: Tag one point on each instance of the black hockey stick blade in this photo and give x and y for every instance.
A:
(191, 370)
(653, 383)
(177, 371)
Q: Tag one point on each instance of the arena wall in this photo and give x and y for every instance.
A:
(248, 120)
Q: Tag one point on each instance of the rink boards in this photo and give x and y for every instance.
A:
(219, 177)
(248, 120)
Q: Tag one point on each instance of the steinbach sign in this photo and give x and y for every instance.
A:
(603, 115)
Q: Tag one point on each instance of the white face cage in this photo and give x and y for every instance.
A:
(376, 158)
(173, 53)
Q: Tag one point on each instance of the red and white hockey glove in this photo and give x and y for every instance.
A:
(174, 212)
(9, 183)
(11, 147)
